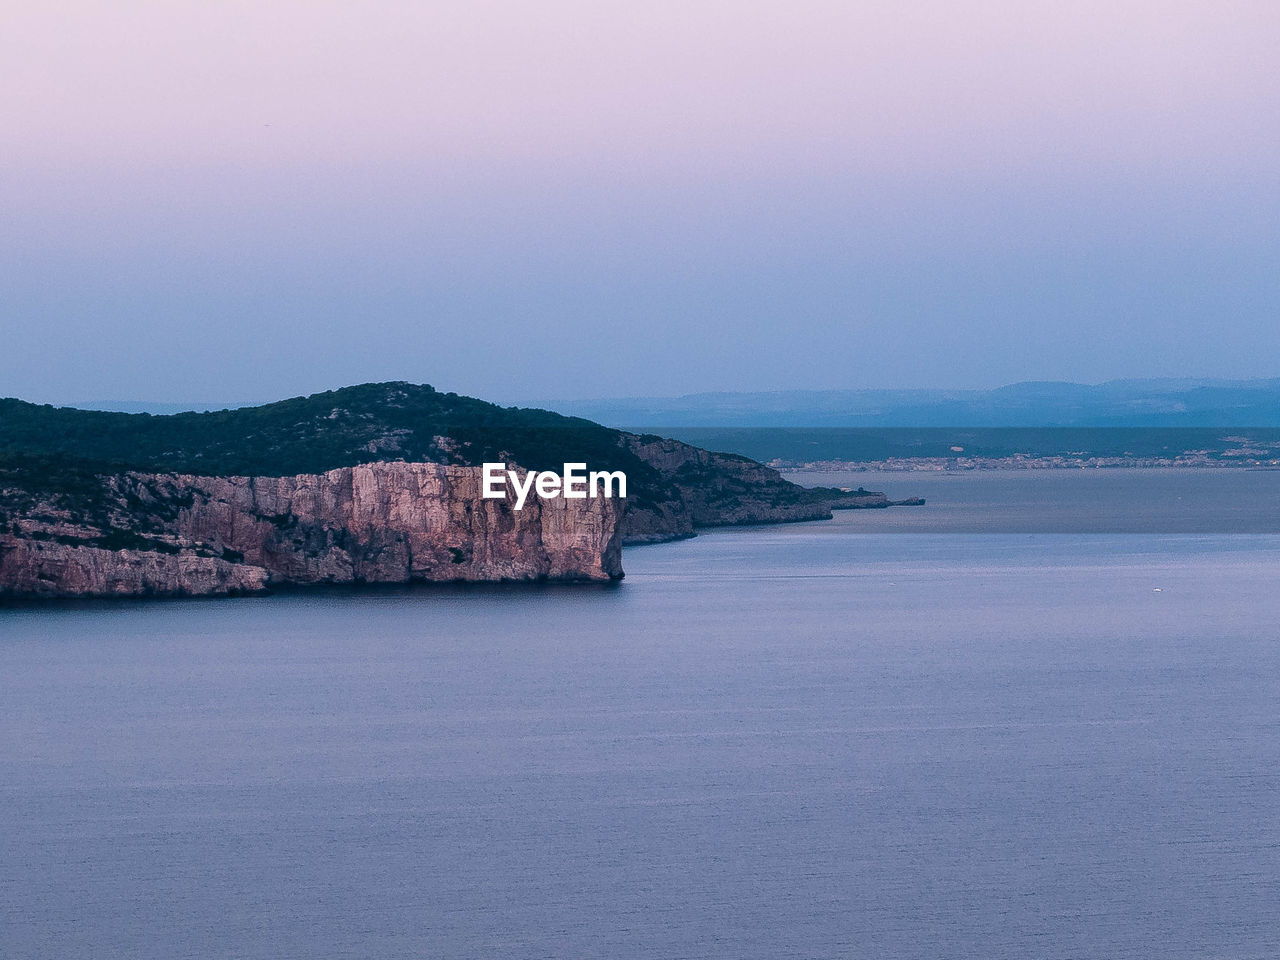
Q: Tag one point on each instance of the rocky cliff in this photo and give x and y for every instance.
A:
(182, 535)
(379, 483)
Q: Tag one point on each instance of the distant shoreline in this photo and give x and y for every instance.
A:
(978, 464)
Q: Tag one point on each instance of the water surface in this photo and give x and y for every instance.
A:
(798, 741)
(1109, 500)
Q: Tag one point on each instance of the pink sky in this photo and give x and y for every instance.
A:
(969, 174)
(688, 87)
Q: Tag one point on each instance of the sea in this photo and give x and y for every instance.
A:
(1037, 718)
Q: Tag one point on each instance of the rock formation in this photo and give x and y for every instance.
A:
(705, 489)
(379, 483)
(179, 535)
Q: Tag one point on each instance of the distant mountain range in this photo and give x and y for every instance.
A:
(1116, 403)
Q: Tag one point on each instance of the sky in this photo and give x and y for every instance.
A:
(243, 201)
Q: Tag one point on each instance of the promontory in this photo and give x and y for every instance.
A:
(378, 483)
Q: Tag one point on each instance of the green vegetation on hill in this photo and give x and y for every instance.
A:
(62, 449)
(385, 421)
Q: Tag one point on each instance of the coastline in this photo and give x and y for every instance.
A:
(975, 464)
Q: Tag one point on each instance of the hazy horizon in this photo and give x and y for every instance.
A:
(200, 402)
(252, 200)
(1126, 402)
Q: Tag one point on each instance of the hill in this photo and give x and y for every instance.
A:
(374, 482)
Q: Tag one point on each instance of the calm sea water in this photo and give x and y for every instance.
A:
(799, 741)
(1229, 500)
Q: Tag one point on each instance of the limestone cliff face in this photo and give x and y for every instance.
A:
(387, 522)
(44, 568)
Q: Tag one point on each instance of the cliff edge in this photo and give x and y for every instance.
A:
(180, 535)
(379, 483)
